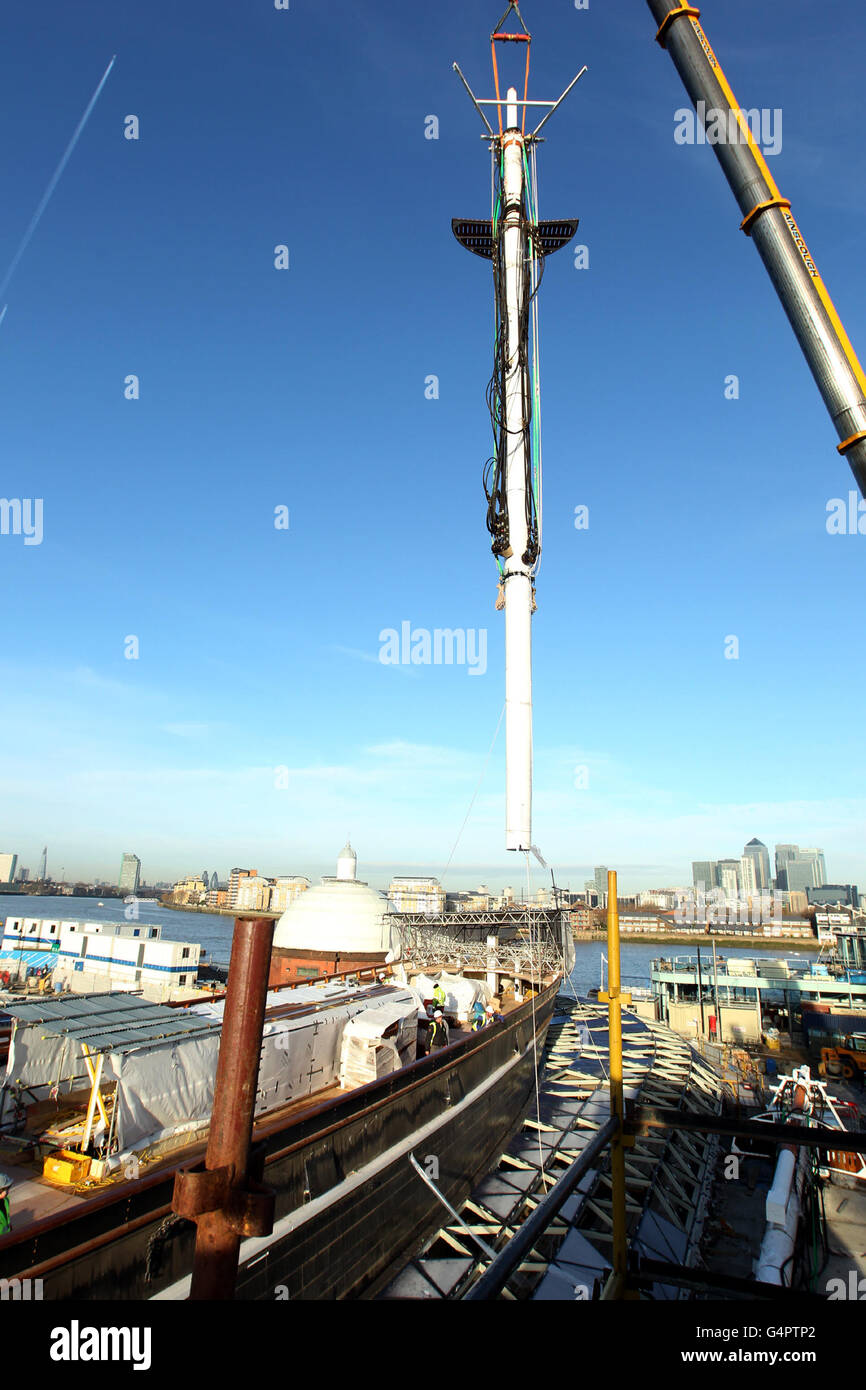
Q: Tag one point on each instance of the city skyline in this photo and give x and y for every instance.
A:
(631, 878)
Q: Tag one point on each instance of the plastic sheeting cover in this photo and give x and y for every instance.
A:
(460, 993)
(163, 1085)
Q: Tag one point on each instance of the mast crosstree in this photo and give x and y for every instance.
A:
(517, 243)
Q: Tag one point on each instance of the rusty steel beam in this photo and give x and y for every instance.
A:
(223, 1197)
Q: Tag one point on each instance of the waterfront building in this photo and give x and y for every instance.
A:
(190, 891)
(828, 923)
(234, 880)
(285, 889)
(834, 895)
(7, 867)
(664, 898)
(130, 873)
(417, 895)
(648, 921)
(477, 900)
(253, 894)
(583, 918)
(480, 900)
(796, 901)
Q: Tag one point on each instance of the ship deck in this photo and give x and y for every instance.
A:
(332, 1154)
(34, 1198)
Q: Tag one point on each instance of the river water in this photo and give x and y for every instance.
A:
(214, 934)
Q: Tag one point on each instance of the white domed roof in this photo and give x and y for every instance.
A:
(340, 914)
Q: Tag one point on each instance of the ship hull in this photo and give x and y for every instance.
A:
(350, 1208)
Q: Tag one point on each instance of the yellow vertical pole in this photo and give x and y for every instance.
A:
(615, 1000)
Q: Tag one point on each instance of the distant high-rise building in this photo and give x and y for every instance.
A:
(704, 874)
(7, 867)
(601, 884)
(130, 872)
(783, 854)
(761, 855)
(820, 867)
(730, 877)
(749, 867)
(805, 870)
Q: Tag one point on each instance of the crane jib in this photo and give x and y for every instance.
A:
(769, 221)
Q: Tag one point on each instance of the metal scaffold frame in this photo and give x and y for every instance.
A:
(549, 1202)
(423, 945)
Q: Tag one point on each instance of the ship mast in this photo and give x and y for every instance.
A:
(517, 243)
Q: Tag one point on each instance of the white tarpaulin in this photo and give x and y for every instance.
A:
(163, 1083)
(460, 994)
(367, 1054)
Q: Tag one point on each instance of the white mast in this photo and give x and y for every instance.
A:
(517, 577)
(511, 240)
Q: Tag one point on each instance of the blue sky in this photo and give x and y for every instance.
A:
(304, 388)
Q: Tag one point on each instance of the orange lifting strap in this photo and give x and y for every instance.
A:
(501, 37)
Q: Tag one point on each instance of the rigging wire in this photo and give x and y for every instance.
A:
(474, 794)
(534, 1043)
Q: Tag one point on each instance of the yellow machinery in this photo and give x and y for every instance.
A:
(847, 1059)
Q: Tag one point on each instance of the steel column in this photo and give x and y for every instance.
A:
(228, 1151)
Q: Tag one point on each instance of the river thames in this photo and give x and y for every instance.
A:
(214, 934)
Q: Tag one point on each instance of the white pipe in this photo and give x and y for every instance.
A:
(773, 1265)
(518, 581)
(780, 1192)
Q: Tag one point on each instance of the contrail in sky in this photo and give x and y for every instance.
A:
(55, 177)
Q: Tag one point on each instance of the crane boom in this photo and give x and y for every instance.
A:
(768, 220)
